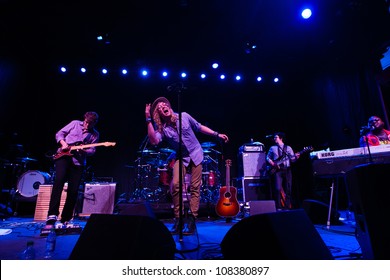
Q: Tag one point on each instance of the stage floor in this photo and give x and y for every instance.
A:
(204, 244)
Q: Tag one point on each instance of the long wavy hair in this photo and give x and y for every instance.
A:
(159, 122)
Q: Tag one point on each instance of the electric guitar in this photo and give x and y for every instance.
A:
(227, 205)
(272, 169)
(68, 152)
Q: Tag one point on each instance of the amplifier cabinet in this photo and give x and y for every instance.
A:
(43, 201)
(251, 164)
(254, 188)
(98, 198)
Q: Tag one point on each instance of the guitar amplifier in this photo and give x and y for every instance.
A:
(252, 164)
(254, 188)
(98, 198)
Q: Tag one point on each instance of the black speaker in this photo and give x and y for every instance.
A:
(284, 235)
(254, 188)
(369, 194)
(261, 206)
(318, 212)
(140, 209)
(251, 164)
(124, 237)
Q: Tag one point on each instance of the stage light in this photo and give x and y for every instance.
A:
(259, 79)
(164, 74)
(276, 80)
(250, 47)
(124, 71)
(238, 77)
(183, 75)
(306, 13)
(63, 69)
(222, 77)
(215, 65)
(203, 76)
(83, 70)
(104, 71)
(144, 73)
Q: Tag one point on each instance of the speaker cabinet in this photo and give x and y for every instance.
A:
(251, 164)
(98, 198)
(124, 237)
(369, 193)
(254, 188)
(43, 201)
(140, 209)
(284, 235)
(261, 206)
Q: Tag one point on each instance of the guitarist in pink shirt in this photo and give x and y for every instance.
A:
(279, 157)
(70, 164)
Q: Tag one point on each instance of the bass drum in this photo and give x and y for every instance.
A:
(29, 182)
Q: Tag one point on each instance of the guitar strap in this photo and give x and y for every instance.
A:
(86, 139)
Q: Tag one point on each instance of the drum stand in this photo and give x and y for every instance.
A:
(139, 192)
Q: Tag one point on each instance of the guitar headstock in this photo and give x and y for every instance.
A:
(306, 150)
(228, 162)
(107, 144)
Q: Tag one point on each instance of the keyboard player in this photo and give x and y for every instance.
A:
(374, 134)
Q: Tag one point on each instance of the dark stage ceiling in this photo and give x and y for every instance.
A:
(189, 34)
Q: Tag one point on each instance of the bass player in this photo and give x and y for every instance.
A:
(279, 157)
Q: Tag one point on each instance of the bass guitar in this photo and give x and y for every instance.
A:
(227, 205)
(68, 151)
(272, 169)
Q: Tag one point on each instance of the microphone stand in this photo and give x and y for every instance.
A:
(184, 248)
(363, 133)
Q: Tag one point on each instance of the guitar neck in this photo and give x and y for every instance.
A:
(86, 146)
(227, 176)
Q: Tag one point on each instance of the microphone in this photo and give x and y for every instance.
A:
(269, 136)
(175, 87)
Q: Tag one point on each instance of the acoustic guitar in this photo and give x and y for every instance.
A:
(227, 205)
(68, 152)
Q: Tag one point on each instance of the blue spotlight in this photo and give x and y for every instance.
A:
(124, 71)
(222, 77)
(83, 70)
(238, 77)
(144, 73)
(104, 71)
(259, 79)
(306, 13)
(276, 80)
(215, 65)
(63, 69)
(164, 74)
(183, 75)
(203, 76)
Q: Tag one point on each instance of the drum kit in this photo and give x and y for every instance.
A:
(17, 179)
(153, 174)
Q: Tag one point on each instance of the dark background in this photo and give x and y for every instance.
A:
(329, 66)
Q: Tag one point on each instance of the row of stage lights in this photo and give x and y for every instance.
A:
(145, 73)
(306, 13)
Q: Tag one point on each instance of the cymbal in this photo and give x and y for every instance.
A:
(207, 144)
(25, 159)
(148, 152)
(166, 150)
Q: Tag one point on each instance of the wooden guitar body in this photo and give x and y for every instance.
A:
(227, 205)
